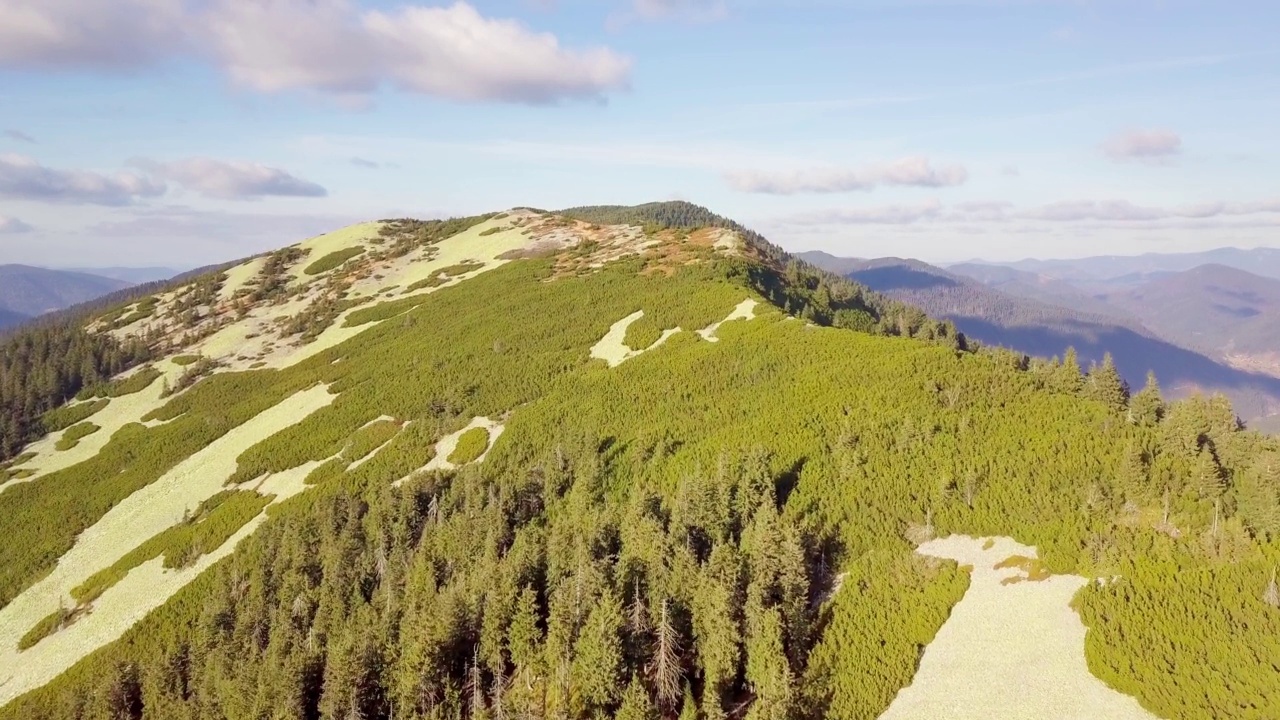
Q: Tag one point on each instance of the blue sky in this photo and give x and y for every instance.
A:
(184, 132)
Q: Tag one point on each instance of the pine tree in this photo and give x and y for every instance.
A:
(1106, 386)
(475, 682)
(636, 704)
(597, 661)
(1067, 377)
(1257, 494)
(1272, 594)
(768, 672)
(523, 637)
(688, 708)
(665, 667)
(123, 696)
(1207, 475)
(1147, 407)
(717, 635)
(1133, 479)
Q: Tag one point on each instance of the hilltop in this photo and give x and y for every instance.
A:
(606, 461)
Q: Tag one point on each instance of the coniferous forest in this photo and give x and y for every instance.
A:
(708, 530)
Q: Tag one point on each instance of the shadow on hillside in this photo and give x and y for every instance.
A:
(1179, 371)
(898, 277)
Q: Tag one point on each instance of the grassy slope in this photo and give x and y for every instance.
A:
(861, 435)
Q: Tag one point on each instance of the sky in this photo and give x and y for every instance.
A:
(186, 132)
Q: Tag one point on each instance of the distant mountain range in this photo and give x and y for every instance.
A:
(1210, 328)
(28, 292)
(9, 319)
(33, 291)
(1150, 266)
(132, 275)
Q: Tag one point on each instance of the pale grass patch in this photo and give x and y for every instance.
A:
(135, 519)
(1009, 651)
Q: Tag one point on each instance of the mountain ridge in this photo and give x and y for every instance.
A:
(645, 468)
(31, 291)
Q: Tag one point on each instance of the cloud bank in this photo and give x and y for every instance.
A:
(912, 171)
(331, 47)
(232, 179)
(22, 178)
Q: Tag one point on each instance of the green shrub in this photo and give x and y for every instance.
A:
(73, 434)
(45, 627)
(471, 445)
(383, 311)
(370, 438)
(491, 231)
(436, 279)
(329, 469)
(185, 360)
(68, 415)
(213, 522)
(642, 333)
(136, 382)
(333, 260)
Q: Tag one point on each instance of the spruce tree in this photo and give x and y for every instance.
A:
(597, 661)
(1147, 406)
(636, 704)
(1106, 386)
(1067, 377)
(1257, 495)
(1207, 475)
(768, 672)
(523, 637)
(688, 708)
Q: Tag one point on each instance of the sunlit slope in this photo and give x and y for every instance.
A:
(726, 519)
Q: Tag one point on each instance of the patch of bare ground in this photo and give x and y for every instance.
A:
(1012, 649)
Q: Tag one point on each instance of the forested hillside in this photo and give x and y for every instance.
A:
(10, 319)
(53, 358)
(721, 523)
(1039, 328)
(1212, 308)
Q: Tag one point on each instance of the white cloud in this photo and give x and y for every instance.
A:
(332, 47)
(453, 52)
(1143, 145)
(22, 178)
(909, 171)
(12, 226)
(91, 34)
(232, 179)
